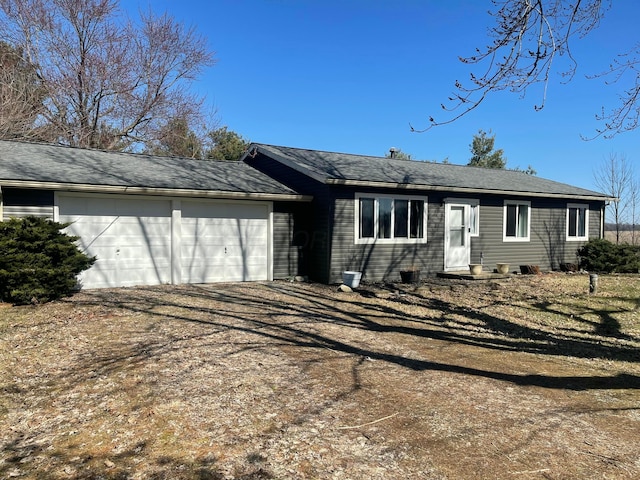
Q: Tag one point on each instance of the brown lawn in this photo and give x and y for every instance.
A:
(530, 378)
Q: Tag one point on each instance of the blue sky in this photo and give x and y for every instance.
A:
(352, 75)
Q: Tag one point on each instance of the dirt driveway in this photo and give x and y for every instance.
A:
(529, 378)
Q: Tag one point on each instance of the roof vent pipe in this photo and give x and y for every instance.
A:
(392, 152)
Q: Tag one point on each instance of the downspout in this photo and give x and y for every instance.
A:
(1, 204)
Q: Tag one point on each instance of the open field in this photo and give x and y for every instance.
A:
(525, 378)
(626, 236)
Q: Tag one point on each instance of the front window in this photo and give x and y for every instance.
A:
(390, 219)
(517, 220)
(577, 222)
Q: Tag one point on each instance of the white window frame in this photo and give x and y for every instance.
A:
(506, 238)
(578, 238)
(392, 240)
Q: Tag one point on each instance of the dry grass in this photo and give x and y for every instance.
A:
(625, 236)
(528, 378)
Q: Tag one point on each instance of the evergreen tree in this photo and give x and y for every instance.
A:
(226, 145)
(177, 139)
(38, 262)
(483, 154)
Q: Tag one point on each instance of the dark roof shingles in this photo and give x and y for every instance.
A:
(58, 164)
(360, 168)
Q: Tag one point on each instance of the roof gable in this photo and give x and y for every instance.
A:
(348, 169)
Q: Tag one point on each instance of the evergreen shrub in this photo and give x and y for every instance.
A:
(38, 262)
(603, 256)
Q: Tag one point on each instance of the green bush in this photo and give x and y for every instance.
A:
(38, 262)
(603, 256)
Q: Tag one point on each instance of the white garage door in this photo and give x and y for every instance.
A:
(131, 239)
(223, 242)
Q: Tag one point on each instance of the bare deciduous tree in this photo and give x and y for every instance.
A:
(527, 37)
(633, 205)
(21, 94)
(615, 177)
(110, 82)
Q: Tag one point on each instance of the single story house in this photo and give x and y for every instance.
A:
(282, 212)
(382, 215)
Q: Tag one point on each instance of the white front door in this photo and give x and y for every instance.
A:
(457, 245)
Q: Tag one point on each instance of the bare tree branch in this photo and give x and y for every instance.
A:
(527, 37)
(110, 82)
(615, 177)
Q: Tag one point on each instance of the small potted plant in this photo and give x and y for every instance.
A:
(475, 268)
(502, 268)
(410, 275)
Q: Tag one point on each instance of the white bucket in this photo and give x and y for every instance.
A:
(351, 279)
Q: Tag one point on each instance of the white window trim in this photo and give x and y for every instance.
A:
(504, 221)
(577, 238)
(375, 239)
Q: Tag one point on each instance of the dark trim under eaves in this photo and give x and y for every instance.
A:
(439, 188)
(165, 192)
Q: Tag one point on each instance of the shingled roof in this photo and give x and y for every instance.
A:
(359, 170)
(60, 167)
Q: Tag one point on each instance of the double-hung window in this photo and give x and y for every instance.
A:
(390, 219)
(577, 222)
(517, 221)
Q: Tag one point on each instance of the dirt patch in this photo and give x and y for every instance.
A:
(524, 378)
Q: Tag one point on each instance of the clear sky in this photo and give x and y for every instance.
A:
(352, 75)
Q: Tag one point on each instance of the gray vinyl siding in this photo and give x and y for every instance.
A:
(311, 239)
(291, 239)
(329, 248)
(285, 257)
(379, 262)
(17, 202)
(547, 246)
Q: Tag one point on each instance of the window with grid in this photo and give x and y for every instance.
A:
(390, 219)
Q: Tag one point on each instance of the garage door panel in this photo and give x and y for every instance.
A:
(141, 208)
(246, 253)
(131, 239)
(224, 242)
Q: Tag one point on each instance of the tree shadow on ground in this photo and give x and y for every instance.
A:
(314, 320)
(286, 323)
